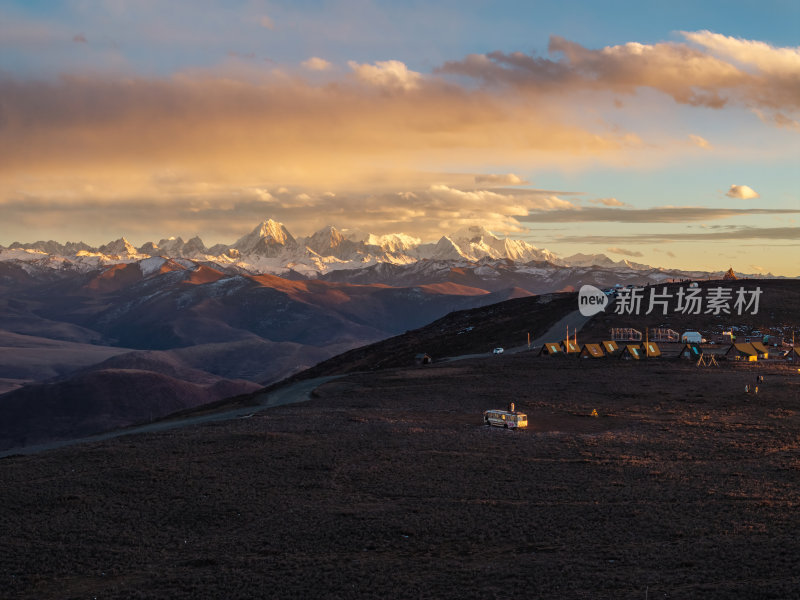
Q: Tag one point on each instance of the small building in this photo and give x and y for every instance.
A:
(692, 337)
(631, 352)
(652, 350)
(763, 351)
(742, 352)
(551, 349)
(422, 359)
(611, 347)
(570, 347)
(592, 351)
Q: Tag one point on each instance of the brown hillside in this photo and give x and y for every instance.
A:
(388, 485)
(478, 330)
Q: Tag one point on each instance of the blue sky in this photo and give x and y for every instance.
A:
(150, 119)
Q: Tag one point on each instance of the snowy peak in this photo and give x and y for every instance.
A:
(394, 242)
(175, 247)
(270, 248)
(600, 260)
(588, 260)
(326, 241)
(52, 247)
(446, 249)
(268, 239)
(472, 235)
(118, 248)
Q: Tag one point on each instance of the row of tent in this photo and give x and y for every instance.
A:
(751, 351)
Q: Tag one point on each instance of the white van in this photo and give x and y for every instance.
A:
(505, 418)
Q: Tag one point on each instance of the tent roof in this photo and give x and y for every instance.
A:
(652, 349)
(593, 350)
(610, 346)
(551, 348)
(632, 350)
(744, 349)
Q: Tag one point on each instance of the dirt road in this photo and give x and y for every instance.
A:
(295, 392)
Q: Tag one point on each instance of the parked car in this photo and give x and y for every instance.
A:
(497, 351)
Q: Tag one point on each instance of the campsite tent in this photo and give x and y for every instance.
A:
(691, 351)
(763, 351)
(592, 351)
(570, 347)
(610, 347)
(551, 349)
(631, 352)
(652, 350)
(742, 352)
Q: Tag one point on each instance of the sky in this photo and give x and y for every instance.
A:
(667, 133)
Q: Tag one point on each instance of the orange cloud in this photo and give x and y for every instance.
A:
(316, 63)
(722, 69)
(277, 129)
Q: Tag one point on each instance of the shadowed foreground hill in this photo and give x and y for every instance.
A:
(388, 485)
(101, 400)
(475, 331)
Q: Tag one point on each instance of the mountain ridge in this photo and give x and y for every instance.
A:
(270, 248)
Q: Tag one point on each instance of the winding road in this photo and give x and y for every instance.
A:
(290, 394)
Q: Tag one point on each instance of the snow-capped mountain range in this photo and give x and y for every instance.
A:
(271, 248)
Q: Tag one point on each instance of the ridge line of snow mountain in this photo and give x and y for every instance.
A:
(271, 248)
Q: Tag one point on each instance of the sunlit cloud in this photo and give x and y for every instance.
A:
(739, 233)
(607, 202)
(712, 70)
(388, 74)
(80, 39)
(742, 192)
(700, 142)
(266, 22)
(115, 133)
(675, 214)
(624, 252)
(220, 213)
(502, 179)
(316, 63)
(751, 54)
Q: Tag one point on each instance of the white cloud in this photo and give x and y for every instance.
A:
(315, 63)
(607, 202)
(749, 53)
(700, 142)
(742, 192)
(263, 195)
(391, 74)
(502, 179)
